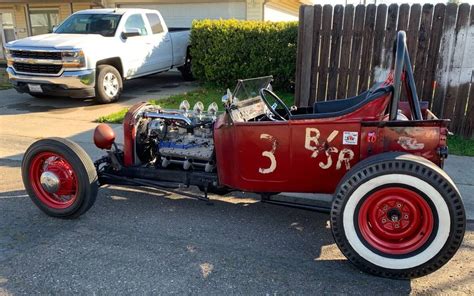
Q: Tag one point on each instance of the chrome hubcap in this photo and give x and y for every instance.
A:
(111, 84)
(50, 182)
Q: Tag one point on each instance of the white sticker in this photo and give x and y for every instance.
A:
(350, 138)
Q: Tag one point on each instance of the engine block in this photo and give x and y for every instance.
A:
(178, 137)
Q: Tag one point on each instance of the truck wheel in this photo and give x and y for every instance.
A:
(186, 69)
(109, 84)
(397, 215)
(59, 177)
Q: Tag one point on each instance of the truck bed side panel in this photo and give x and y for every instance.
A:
(180, 41)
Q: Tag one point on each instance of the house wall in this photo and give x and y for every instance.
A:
(20, 18)
(255, 9)
(81, 6)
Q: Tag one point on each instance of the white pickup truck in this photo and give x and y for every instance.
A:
(92, 52)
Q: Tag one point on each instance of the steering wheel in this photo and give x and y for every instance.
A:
(263, 94)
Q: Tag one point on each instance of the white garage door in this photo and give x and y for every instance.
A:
(182, 15)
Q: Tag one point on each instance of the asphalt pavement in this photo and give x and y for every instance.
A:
(147, 241)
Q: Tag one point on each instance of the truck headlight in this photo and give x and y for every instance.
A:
(73, 59)
(8, 56)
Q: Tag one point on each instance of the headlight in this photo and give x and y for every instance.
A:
(8, 56)
(73, 59)
(71, 54)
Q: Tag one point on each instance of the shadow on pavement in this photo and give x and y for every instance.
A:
(136, 240)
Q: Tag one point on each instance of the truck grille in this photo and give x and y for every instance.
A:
(44, 55)
(37, 68)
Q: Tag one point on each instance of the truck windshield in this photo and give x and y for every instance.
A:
(103, 24)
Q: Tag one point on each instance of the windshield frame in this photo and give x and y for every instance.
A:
(242, 87)
(119, 18)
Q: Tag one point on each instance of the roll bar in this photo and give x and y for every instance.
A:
(402, 70)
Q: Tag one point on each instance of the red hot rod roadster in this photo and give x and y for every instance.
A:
(395, 212)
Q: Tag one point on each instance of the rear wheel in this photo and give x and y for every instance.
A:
(109, 84)
(59, 177)
(398, 216)
(186, 69)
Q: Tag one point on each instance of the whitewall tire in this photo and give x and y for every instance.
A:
(397, 215)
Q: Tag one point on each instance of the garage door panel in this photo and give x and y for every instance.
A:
(182, 15)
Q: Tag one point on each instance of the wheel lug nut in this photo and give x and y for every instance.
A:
(399, 205)
(397, 225)
(384, 220)
(406, 216)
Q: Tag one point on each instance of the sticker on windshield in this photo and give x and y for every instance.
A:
(350, 138)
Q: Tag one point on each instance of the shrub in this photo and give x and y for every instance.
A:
(226, 50)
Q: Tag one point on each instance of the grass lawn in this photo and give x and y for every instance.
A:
(460, 146)
(206, 95)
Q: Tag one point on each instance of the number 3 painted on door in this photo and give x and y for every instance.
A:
(270, 154)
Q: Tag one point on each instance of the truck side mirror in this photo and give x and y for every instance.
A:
(133, 32)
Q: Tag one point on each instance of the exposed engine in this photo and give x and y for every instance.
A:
(183, 137)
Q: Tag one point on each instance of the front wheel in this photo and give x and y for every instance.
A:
(398, 216)
(109, 84)
(59, 177)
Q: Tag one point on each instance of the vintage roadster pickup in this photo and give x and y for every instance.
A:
(395, 213)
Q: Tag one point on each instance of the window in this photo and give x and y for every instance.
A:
(134, 22)
(6, 19)
(43, 20)
(82, 23)
(155, 23)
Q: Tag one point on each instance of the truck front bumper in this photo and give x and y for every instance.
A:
(75, 84)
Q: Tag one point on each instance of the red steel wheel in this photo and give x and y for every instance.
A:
(53, 180)
(397, 215)
(395, 220)
(59, 177)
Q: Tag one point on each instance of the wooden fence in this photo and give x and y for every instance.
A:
(342, 50)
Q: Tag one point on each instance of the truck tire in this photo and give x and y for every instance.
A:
(59, 177)
(109, 85)
(397, 215)
(186, 69)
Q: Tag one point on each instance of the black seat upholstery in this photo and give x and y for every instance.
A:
(345, 104)
(335, 108)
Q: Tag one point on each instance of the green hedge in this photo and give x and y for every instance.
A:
(226, 50)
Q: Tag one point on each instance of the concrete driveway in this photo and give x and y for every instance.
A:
(25, 119)
(143, 241)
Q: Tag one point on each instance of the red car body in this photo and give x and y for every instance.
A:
(310, 155)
